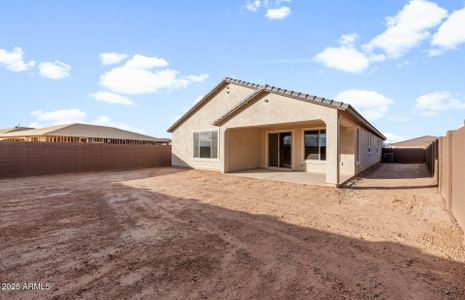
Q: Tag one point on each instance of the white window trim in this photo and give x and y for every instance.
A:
(303, 144)
(217, 149)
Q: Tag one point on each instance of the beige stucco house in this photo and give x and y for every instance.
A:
(240, 125)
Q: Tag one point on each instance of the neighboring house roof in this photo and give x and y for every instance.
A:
(419, 142)
(84, 130)
(261, 89)
(7, 130)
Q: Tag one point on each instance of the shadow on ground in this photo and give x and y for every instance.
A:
(139, 244)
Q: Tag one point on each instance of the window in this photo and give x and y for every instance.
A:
(315, 144)
(369, 143)
(206, 144)
(358, 145)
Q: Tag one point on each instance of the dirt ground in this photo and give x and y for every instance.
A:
(188, 234)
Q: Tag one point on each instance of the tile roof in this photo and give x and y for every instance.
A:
(276, 90)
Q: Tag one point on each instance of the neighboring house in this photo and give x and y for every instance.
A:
(80, 133)
(422, 142)
(241, 125)
(17, 128)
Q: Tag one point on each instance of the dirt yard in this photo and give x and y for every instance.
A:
(188, 234)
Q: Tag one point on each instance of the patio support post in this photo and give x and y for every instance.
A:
(333, 148)
(224, 149)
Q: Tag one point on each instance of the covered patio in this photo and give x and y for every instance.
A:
(304, 152)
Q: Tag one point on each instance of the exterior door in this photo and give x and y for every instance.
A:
(273, 150)
(280, 149)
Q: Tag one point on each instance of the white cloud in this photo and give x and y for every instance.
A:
(14, 60)
(54, 70)
(408, 28)
(398, 119)
(345, 57)
(138, 76)
(145, 62)
(275, 10)
(278, 13)
(393, 138)
(433, 103)
(451, 33)
(111, 98)
(253, 5)
(109, 58)
(197, 78)
(62, 116)
(435, 52)
(371, 105)
(405, 31)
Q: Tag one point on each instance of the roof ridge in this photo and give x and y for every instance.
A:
(273, 89)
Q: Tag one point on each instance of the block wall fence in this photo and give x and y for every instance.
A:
(38, 158)
(452, 173)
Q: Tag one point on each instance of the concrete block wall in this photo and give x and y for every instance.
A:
(452, 173)
(36, 158)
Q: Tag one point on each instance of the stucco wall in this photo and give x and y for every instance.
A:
(368, 159)
(458, 175)
(272, 109)
(244, 149)
(266, 112)
(349, 164)
(347, 151)
(39, 158)
(182, 137)
(452, 173)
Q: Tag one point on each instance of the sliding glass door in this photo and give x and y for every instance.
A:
(280, 149)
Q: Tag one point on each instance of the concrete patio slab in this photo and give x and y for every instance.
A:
(300, 177)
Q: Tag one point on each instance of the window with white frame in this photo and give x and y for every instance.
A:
(315, 144)
(206, 144)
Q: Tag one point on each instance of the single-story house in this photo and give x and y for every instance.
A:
(240, 125)
(80, 133)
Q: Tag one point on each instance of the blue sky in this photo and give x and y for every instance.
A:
(141, 64)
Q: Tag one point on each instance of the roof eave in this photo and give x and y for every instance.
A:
(220, 121)
(206, 98)
(275, 90)
(364, 121)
